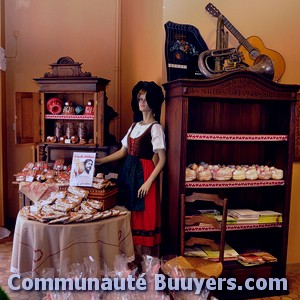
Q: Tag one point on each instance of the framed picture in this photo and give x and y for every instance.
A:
(83, 167)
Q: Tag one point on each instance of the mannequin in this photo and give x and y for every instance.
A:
(138, 177)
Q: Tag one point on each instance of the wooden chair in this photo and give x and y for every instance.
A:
(218, 201)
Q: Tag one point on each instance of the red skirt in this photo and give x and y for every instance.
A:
(145, 224)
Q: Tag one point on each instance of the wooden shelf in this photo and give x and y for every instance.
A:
(233, 183)
(63, 145)
(238, 118)
(237, 137)
(232, 227)
(69, 117)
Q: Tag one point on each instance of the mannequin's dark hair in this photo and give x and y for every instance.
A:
(154, 97)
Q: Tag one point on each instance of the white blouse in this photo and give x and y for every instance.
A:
(157, 134)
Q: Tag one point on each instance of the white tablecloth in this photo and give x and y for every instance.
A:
(37, 246)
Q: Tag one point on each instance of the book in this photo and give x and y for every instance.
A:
(250, 259)
(82, 170)
(256, 258)
(229, 220)
(210, 212)
(269, 216)
(194, 251)
(229, 253)
(246, 221)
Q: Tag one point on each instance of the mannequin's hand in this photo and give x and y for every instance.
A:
(144, 189)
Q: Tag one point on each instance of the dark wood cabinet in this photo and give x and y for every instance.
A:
(239, 118)
(35, 123)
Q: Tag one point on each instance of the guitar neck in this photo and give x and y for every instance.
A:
(243, 41)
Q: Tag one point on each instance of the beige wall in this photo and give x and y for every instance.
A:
(142, 49)
(87, 31)
(47, 30)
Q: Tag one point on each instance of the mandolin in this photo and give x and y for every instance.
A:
(251, 47)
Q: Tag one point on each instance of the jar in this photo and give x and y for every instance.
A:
(58, 129)
(70, 129)
(82, 131)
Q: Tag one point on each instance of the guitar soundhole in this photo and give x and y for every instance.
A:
(254, 53)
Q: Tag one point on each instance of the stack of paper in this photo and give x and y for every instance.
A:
(244, 216)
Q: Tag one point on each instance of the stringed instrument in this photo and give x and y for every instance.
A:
(251, 47)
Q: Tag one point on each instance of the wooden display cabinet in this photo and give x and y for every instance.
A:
(67, 82)
(239, 118)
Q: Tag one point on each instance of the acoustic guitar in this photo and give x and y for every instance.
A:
(251, 47)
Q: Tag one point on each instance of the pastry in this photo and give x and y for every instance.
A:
(251, 173)
(239, 173)
(264, 173)
(276, 173)
(68, 108)
(190, 174)
(55, 106)
(203, 174)
(74, 139)
(222, 173)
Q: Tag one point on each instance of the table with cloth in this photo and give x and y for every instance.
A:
(37, 246)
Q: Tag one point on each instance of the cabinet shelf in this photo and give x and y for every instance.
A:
(68, 117)
(232, 227)
(63, 145)
(237, 137)
(233, 184)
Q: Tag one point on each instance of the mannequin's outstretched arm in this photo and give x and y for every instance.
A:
(114, 156)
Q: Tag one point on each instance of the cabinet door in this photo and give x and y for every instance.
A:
(28, 117)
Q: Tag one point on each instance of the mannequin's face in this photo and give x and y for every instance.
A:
(143, 104)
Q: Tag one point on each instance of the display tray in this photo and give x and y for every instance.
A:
(107, 196)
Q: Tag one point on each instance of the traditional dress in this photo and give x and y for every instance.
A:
(142, 142)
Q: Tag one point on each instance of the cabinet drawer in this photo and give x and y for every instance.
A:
(252, 272)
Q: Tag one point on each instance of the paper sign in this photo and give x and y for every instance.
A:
(83, 167)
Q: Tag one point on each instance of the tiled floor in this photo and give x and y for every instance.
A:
(5, 257)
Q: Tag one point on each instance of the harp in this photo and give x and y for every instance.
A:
(183, 44)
